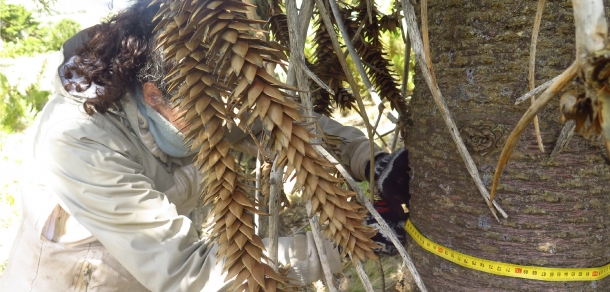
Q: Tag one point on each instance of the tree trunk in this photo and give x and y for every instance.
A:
(557, 211)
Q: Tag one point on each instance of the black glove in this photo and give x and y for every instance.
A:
(392, 181)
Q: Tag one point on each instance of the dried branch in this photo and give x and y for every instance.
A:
(593, 55)
(297, 57)
(385, 229)
(366, 43)
(381, 275)
(276, 185)
(591, 40)
(368, 287)
(313, 77)
(320, 247)
(257, 193)
(350, 78)
(418, 48)
(535, 91)
(304, 17)
(527, 118)
(425, 39)
(564, 137)
(532, 67)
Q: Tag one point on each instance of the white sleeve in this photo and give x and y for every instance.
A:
(108, 194)
(301, 253)
(186, 190)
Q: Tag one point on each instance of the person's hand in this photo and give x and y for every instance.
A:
(391, 175)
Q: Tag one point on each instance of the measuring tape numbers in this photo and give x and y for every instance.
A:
(505, 269)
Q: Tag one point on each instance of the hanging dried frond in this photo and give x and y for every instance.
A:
(191, 33)
(328, 68)
(321, 99)
(275, 7)
(220, 74)
(343, 217)
(258, 95)
(373, 56)
(278, 25)
(262, 8)
(370, 30)
(345, 99)
(390, 22)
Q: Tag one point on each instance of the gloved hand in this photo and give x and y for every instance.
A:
(392, 181)
(185, 192)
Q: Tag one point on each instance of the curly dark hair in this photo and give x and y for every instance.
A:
(117, 50)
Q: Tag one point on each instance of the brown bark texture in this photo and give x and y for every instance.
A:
(559, 211)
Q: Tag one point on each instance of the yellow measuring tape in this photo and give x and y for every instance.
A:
(504, 269)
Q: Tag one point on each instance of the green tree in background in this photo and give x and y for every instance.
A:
(17, 22)
(23, 35)
(18, 109)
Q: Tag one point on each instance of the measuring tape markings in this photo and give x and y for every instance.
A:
(505, 269)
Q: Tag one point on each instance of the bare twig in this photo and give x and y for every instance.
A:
(535, 91)
(297, 57)
(527, 118)
(564, 137)
(305, 14)
(368, 287)
(350, 78)
(276, 186)
(418, 48)
(378, 119)
(315, 231)
(424, 32)
(381, 274)
(313, 77)
(304, 17)
(257, 193)
(532, 67)
(384, 228)
(357, 34)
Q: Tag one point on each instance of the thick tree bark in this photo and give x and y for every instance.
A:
(558, 211)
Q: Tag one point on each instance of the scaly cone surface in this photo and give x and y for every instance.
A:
(221, 76)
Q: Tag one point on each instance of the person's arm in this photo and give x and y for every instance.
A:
(354, 149)
(107, 192)
(300, 252)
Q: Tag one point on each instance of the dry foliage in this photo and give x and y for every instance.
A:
(220, 77)
(328, 68)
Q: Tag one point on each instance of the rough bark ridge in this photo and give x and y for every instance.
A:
(557, 211)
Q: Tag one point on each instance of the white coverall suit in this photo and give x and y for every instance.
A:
(105, 210)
